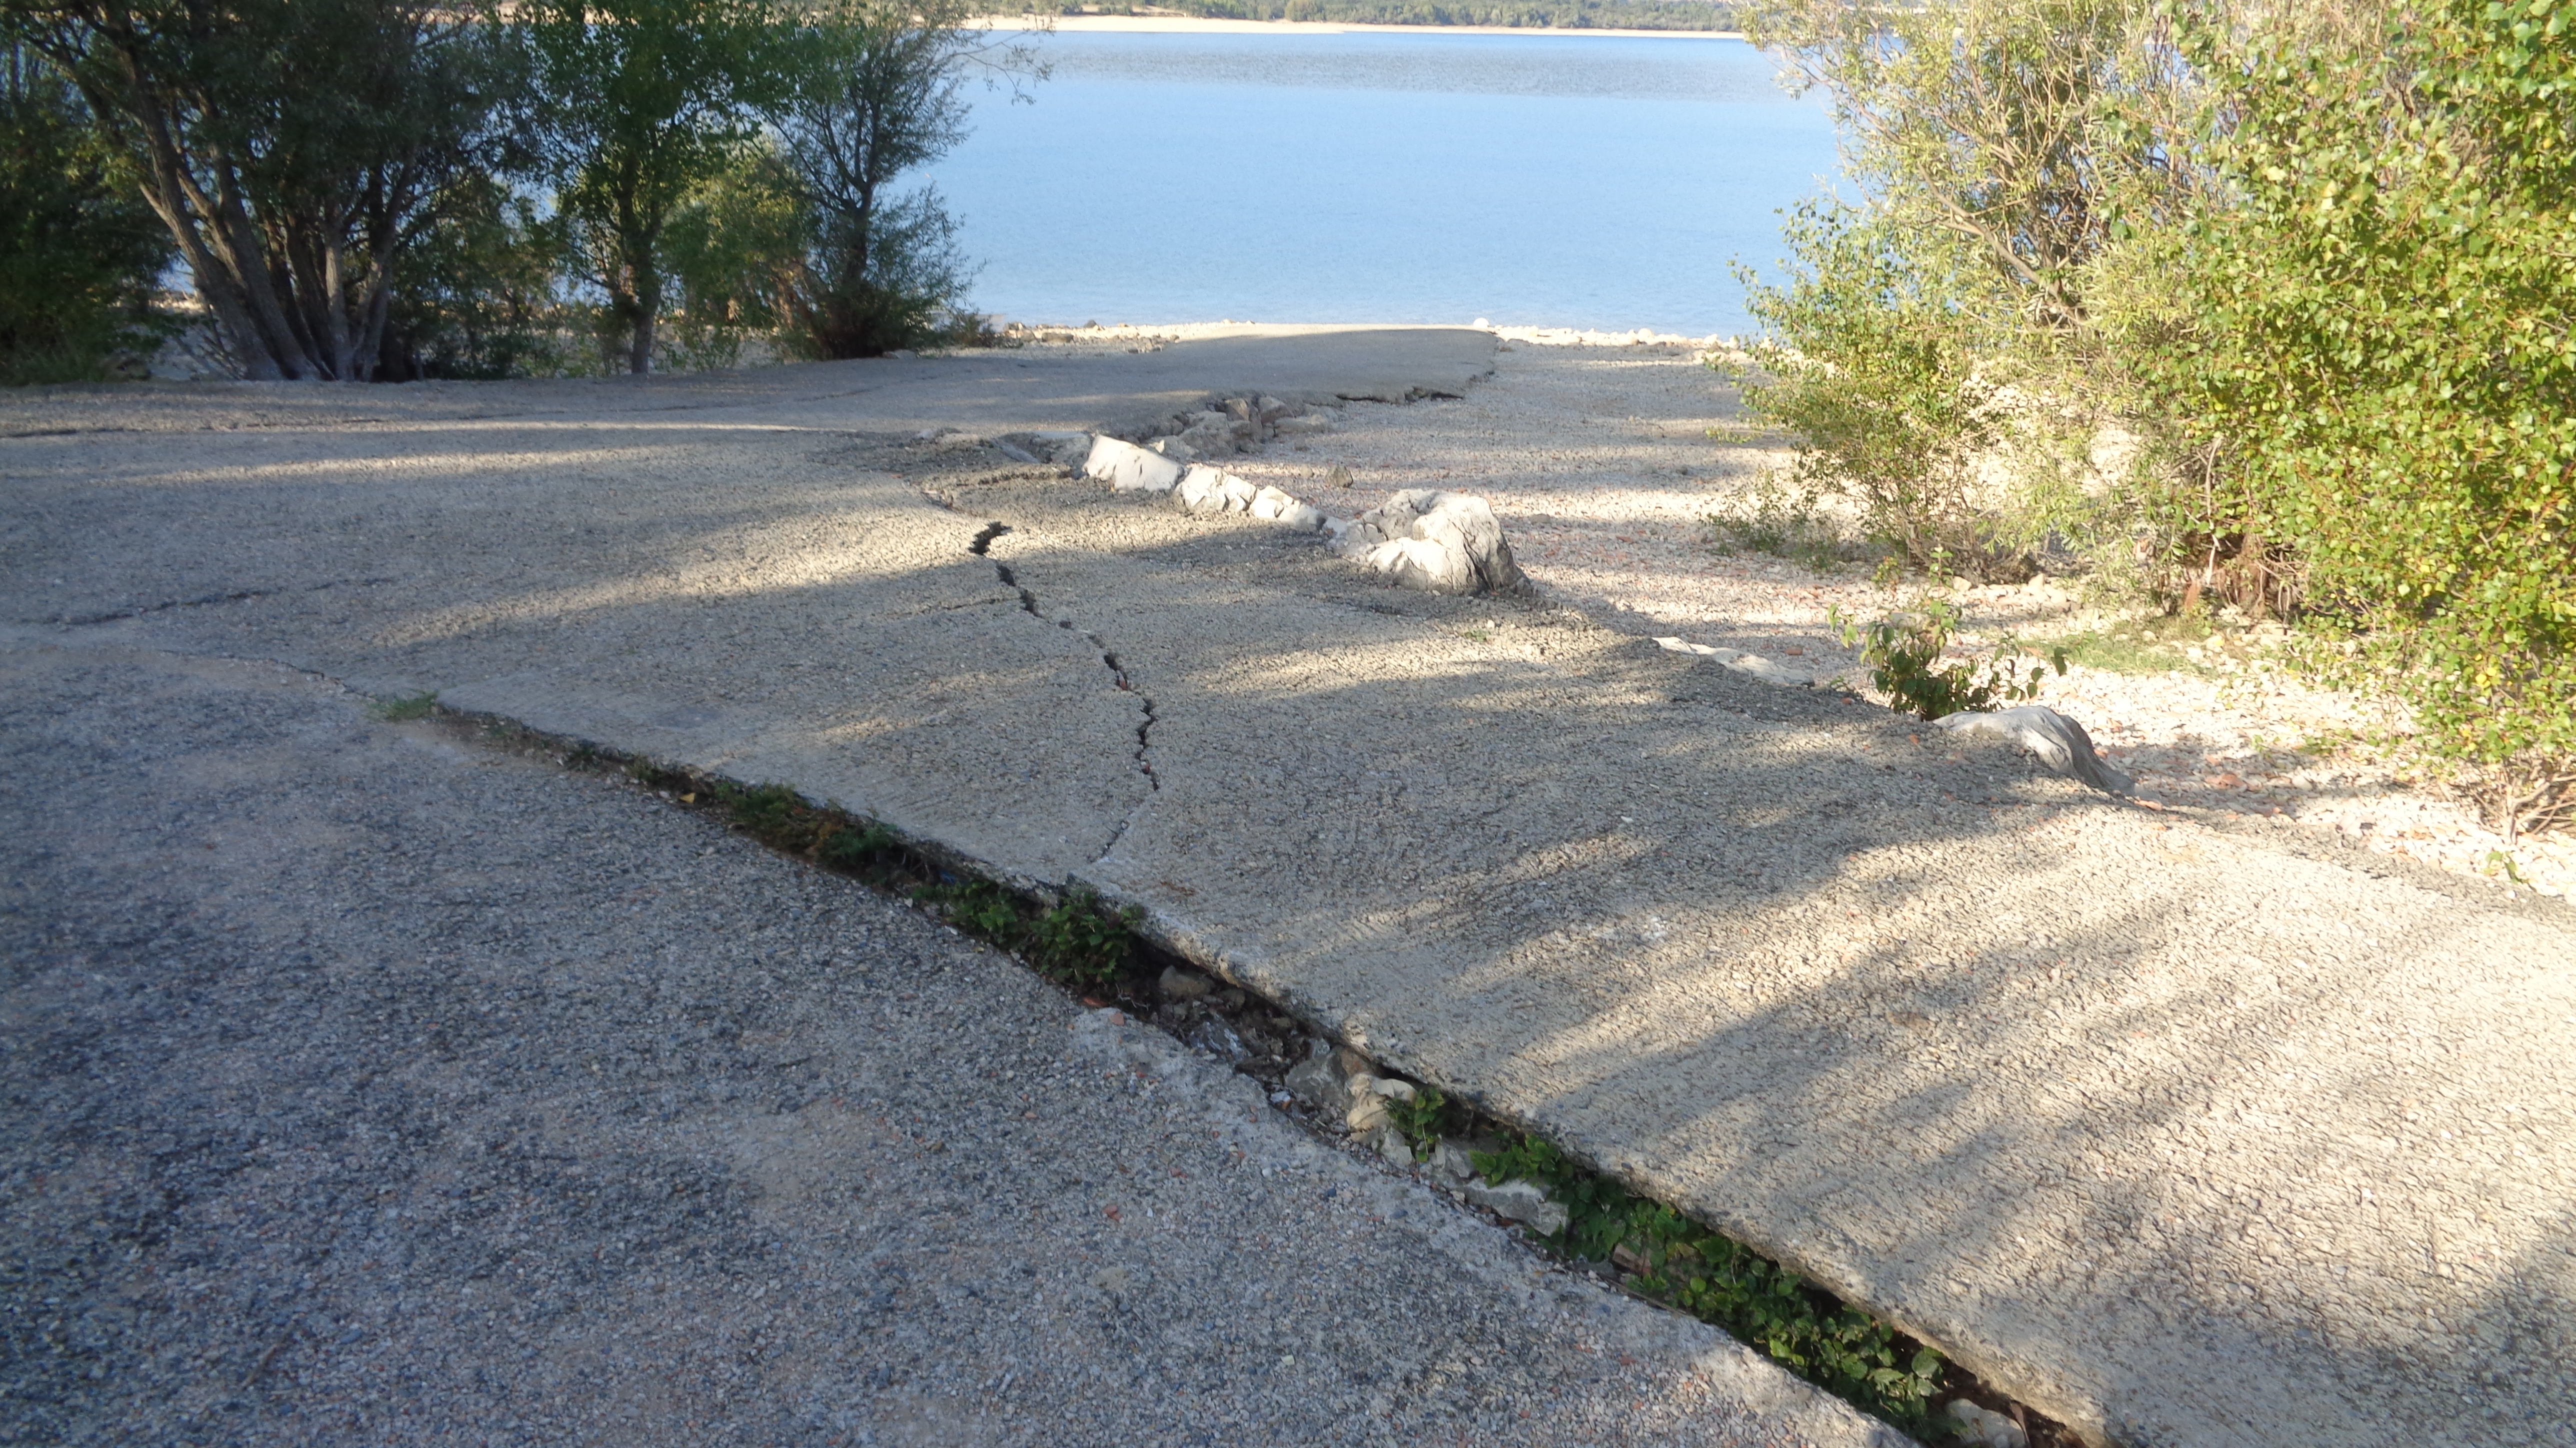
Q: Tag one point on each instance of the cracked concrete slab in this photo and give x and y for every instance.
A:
(2183, 1129)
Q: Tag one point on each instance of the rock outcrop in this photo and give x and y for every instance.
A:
(1437, 541)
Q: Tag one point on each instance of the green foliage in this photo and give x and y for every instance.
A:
(645, 102)
(2370, 348)
(293, 148)
(1679, 1261)
(1080, 939)
(876, 91)
(1420, 1120)
(478, 297)
(733, 247)
(407, 707)
(79, 252)
(1868, 358)
(1077, 940)
(1904, 652)
(1782, 525)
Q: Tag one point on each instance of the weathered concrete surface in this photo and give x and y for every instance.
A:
(371, 1084)
(2184, 1131)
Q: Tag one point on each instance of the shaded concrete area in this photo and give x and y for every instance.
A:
(2182, 1129)
(372, 1084)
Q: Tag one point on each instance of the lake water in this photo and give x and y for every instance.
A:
(1585, 181)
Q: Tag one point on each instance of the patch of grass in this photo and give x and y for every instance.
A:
(1081, 939)
(406, 708)
(1775, 522)
(2145, 646)
(1677, 1261)
(1078, 940)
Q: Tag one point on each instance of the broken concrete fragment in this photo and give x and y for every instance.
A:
(1127, 468)
(1741, 662)
(2060, 742)
(1367, 1109)
(1450, 1163)
(1983, 1425)
(1520, 1200)
(1202, 489)
(1436, 541)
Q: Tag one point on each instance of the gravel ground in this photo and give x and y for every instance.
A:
(1604, 459)
(368, 1083)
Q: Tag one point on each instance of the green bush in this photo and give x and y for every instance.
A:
(2372, 345)
(80, 253)
(1904, 652)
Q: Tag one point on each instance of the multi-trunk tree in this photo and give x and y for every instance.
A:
(292, 148)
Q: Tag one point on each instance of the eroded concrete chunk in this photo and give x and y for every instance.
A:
(2060, 742)
(1439, 542)
(1520, 1200)
(1127, 468)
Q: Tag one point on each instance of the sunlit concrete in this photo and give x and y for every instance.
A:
(2186, 1129)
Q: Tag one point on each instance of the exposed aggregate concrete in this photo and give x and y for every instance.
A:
(368, 1085)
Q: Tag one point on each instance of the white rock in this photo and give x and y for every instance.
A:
(1392, 1089)
(1303, 518)
(1368, 1109)
(1202, 489)
(1741, 662)
(1270, 502)
(1520, 1200)
(1450, 1163)
(2060, 742)
(1318, 1082)
(1985, 1425)
(1127, 468)
(1438, 541)
(1237, 494)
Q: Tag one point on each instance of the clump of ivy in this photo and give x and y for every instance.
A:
(1904, 652)
(1078, 940)
(1422, 1120)
(1675, 1260)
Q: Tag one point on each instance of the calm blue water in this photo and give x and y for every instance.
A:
(1534, 180)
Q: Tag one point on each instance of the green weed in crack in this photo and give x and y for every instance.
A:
(406, 708)
(1674, 1260)
(1078, 940)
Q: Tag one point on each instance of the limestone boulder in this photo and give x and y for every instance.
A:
(1127, 468)
(1436, 541)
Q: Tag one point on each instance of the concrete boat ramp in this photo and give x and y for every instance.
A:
(2184, 1130)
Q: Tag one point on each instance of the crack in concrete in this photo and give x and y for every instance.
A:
(982, 547)
(83, 620)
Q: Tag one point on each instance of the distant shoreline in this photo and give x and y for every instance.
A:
(1195, 25)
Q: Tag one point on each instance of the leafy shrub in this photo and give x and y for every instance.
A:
(1904, 652)
(79, 252)
(2373, 343)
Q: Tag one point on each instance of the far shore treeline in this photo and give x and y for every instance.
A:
(1515, 14)
(389, 189)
